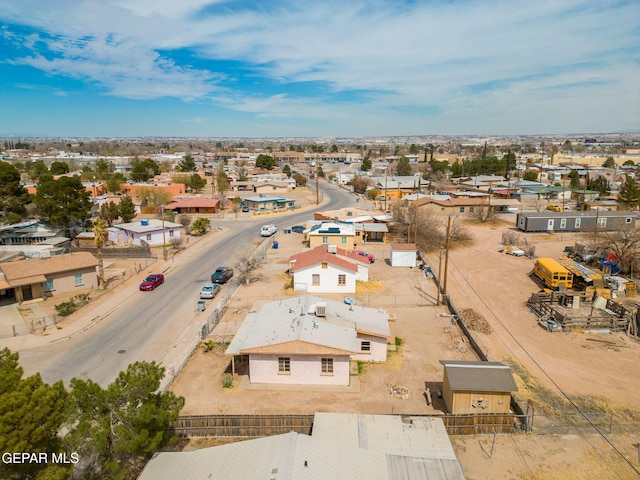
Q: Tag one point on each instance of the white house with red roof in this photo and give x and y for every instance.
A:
(328, 269)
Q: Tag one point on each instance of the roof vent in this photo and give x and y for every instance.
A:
(321, 309)
(144, 223)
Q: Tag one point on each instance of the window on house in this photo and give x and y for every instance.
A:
(343, 240)
(325, 265)
(365, 346)
(627, 220)
(171, 233)
(563, 223)
(325, 240)
(315, 279)
(327, 365)
(461, 209)
(78, 279)
(342, 280)
(602, 222)
(148, 236)
(578, 222)
(284, 365)
(471, 209)
(48, 285)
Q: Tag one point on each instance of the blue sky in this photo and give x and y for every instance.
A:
(298, 68)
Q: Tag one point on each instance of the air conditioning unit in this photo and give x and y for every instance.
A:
(321, 309)
(332, 249)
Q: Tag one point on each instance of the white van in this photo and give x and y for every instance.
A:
(268, 230)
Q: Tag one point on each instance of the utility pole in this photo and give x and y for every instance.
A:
(439, 276)
(385, 192)
(447, 245)
(563, 187)
(164, 240)
(415, 221)
(317, 185)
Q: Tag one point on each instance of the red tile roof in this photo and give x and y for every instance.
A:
(341, 258)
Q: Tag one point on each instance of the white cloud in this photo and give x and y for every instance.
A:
(463, 57)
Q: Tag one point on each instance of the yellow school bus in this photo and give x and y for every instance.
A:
(552, 274)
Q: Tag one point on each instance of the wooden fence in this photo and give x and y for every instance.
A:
(253, 426)
(241, 425)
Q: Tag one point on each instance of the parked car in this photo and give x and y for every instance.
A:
(554, 208)
(152, 281)
(222, 275)
(370, 257)
(245, 208)
(268, 230)
(210, 290)
(298, 229)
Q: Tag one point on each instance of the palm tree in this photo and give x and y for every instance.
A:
(99, 237)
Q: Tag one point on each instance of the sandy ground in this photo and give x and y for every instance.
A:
(496, 286)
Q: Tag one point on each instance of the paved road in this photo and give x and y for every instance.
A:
(136, 325)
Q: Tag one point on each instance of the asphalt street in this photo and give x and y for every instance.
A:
(136, 325)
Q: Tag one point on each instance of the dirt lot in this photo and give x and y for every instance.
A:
(549, 367)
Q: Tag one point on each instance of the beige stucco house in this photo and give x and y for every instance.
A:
(40, 277)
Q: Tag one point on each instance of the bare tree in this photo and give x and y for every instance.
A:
(625, 244)
(483, 213)
(249, 259)
(99, 238)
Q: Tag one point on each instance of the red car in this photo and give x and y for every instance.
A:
(152, 281)
(370, 257)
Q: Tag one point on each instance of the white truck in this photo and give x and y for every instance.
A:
(268, 230)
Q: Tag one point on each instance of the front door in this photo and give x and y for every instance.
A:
(550, 223)
(27, 294)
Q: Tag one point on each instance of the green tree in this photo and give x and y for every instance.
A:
(187, 164)
(222, 180)
(360, 183)
(31, 413)
(404, 167)
(287, 170)
(413, 149)
(530, 176)
(510, 162)
(366, 164)
(301, 180)
(109, 212)
(113, 184)
(103, 169)
(126, 209)
(629, 194)
(59, 168)
(200, 226)
(609, 163)
(575, 179)
(599, 184)
(13, 196)
(143, 170)
(197, 182)
(265, 161)
(118, 428)
(63, 202)
(334, 148)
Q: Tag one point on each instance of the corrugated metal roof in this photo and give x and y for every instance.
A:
(290, 456)
(479, 376)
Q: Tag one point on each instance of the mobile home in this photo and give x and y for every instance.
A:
(587, 221)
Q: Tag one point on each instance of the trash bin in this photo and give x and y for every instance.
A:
(201, 305)
(275, 245)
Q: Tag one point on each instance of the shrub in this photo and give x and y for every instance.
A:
(227, 381)
(66, 308)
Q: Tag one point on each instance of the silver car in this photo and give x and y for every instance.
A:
(210, 290)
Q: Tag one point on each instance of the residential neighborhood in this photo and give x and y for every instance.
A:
(363, 303)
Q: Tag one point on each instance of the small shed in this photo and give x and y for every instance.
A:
(477, 387)
(403, 254)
